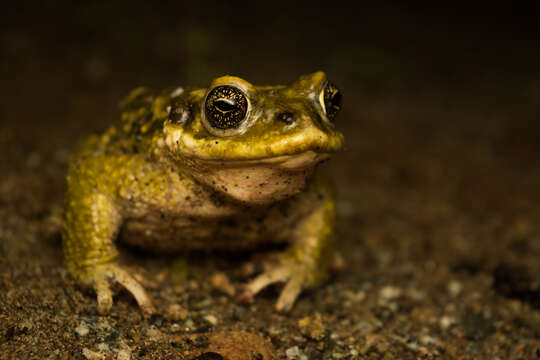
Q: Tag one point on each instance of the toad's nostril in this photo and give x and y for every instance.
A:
(287, 117)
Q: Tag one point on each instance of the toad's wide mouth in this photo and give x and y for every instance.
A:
(309, 146)
(300, 161)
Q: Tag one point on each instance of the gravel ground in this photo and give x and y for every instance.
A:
(439, 200)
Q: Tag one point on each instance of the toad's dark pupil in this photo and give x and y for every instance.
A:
(225, 107)
(332, 100)
(336, 99)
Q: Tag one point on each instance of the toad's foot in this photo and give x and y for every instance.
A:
(296, 277)
(101, 277)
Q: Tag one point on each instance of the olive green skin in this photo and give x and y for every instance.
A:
(171, 182)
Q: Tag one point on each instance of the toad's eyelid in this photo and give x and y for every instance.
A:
(321, 99)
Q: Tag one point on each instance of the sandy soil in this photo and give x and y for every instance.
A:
(439, 200)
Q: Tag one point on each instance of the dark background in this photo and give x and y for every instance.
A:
(57, 56)
(439, 184)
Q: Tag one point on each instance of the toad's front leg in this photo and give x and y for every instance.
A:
(91, 222)
(305, 264)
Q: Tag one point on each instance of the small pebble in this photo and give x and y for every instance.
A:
(26, 325)
(176, 312)
(123, 352)
(189, 324)
(294, 353)
(153, 333)
(364, 327)
(377, 342)
(312, 327)
(203, 304)
(416, 294)
(389, 293)
(211, 319)
(429, 340)
(104, 347)
(454, 288)
(82, 329)
(446, 322)
(123, 355)
(92, 355)
(356, 296)
(103, 324)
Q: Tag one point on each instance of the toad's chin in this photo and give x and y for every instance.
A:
(260, 181)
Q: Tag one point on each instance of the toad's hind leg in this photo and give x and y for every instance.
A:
(90, 225)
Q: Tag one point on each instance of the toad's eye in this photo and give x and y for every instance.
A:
(226, 107)
(331, 100)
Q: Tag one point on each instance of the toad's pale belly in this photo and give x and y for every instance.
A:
(162, 233)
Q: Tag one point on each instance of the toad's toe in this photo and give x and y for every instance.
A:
(295, 276)
(103, 276)
(104, 296)
(289, 294)
(264, 280)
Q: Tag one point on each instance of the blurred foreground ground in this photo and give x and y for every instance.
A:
(439, 189)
